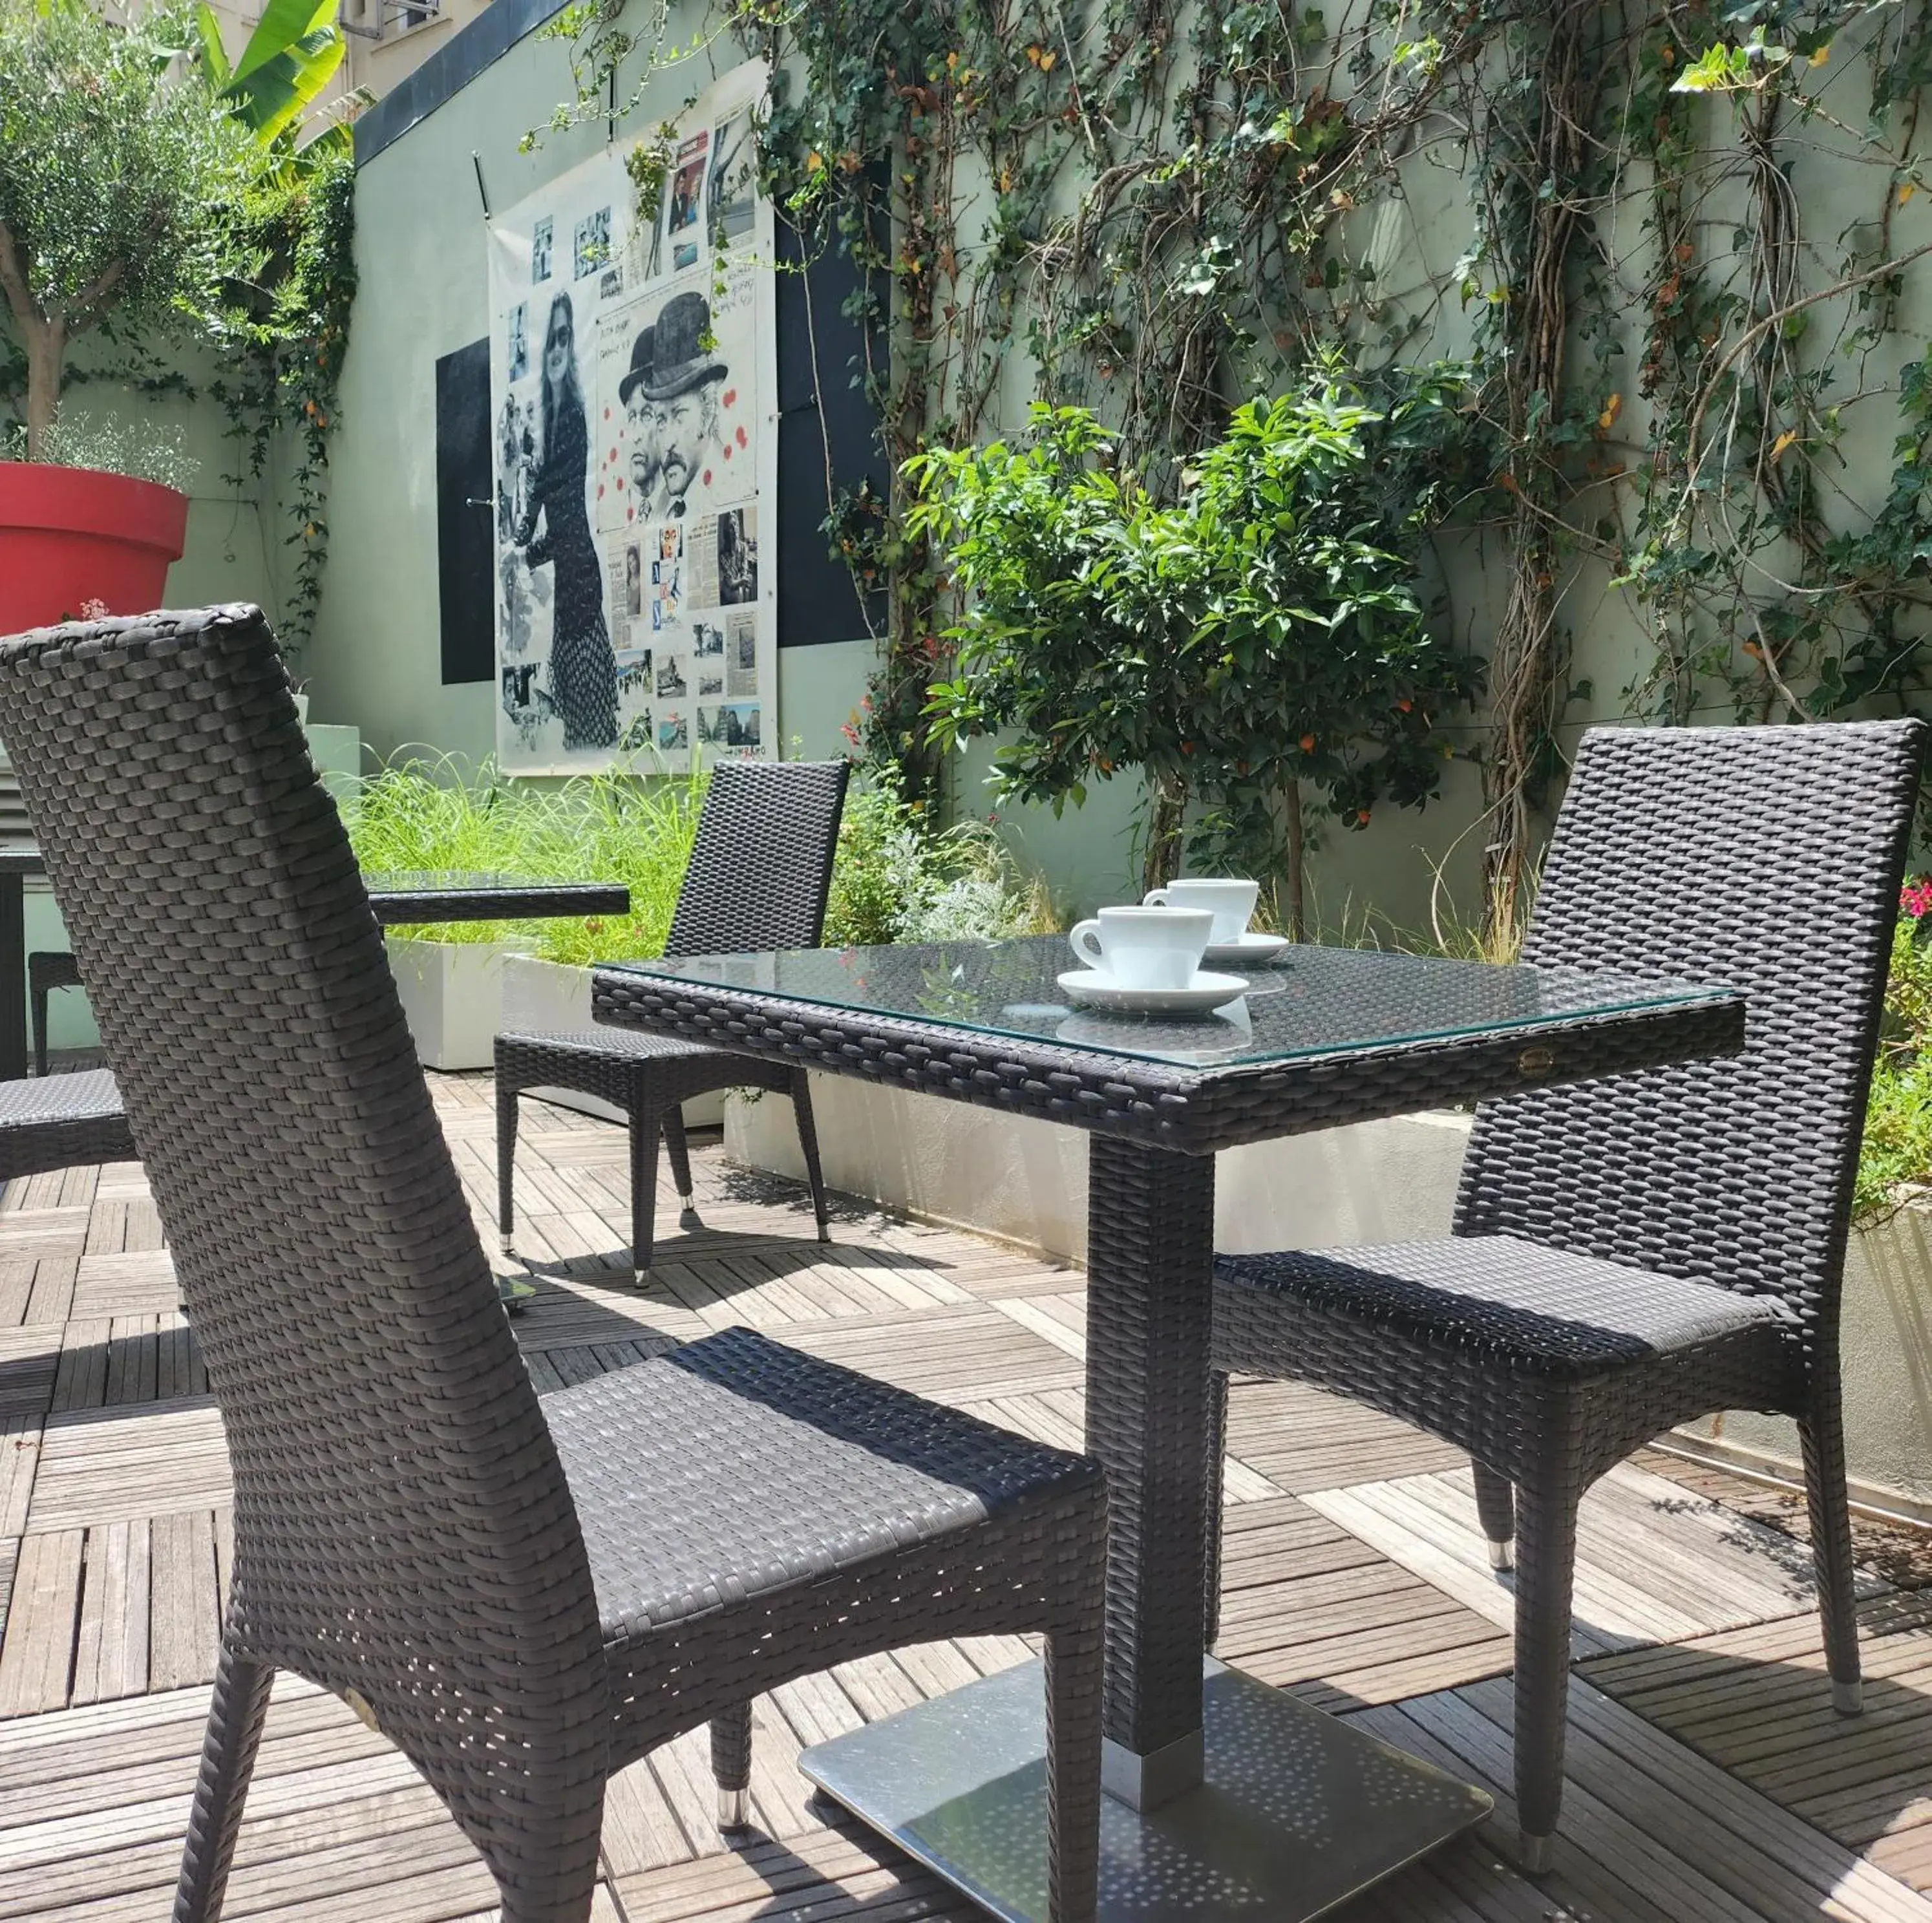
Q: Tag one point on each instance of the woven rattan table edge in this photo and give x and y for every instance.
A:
(1190, 1109)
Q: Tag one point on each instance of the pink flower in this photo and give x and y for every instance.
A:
(1915, 900)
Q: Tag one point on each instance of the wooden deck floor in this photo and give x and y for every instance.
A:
(1708, 1778)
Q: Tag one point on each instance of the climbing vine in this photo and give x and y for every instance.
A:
(1674, 239)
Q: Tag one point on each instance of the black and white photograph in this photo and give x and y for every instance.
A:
(590, 245)
(631, 410)
(517, 345)
(731, 202)
(518, 681)
(737, 557)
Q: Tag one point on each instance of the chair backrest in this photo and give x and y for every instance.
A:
(761, 866)
(1765, 858)
(402, 1527)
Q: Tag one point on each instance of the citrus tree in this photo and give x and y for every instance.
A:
(1253, 649)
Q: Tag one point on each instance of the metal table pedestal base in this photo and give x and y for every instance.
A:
(1298, 1812)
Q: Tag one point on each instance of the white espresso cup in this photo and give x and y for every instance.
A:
(1144, 947)
(1230, 903)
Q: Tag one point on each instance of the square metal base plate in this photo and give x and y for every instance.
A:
(1298, 1812)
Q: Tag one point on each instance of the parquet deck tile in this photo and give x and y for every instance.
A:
(1709, 1778)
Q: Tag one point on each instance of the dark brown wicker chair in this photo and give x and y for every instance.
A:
(47, 969)
(61, 1121)
(760, 871)
(524, 1595)
(1634, 1253)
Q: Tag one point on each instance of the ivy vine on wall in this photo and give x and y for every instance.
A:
(1674, 239)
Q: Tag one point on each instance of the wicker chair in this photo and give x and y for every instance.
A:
(1634, 1253)
(47, 969)
(760, 872)
(523, 1594)
(61, 1121)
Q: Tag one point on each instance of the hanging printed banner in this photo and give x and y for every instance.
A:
(633, 382)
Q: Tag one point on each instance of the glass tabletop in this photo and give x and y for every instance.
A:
(465, 881)
(1312, 1001)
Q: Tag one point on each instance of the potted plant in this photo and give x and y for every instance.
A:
(122, 174)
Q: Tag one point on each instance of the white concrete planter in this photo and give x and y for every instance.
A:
(1383, 1181)
(550, 997)
(450, 992)
(1010, 1175)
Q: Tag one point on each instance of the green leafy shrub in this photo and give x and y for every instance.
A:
(1897, 1153)
(893, 880)
(1254, 650)
(422, 815)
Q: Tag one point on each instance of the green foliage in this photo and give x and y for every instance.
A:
(895, 879)
(421, 814)
(1897, 1153)
(142, 450)
(291, 56)
(1256, 638)
(119, 176)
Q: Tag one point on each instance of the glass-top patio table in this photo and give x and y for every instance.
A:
(406, 900)
(1229, 1799)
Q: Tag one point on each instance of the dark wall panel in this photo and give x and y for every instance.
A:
(466, 561)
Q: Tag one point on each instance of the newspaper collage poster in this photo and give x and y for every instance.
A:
(633, 388)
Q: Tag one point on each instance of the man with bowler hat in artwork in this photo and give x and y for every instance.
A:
(683, 385)
(641, 425)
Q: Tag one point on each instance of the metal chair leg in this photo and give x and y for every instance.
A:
(808, 1141)
(1217, 1473)
(1545, 1575)
(1073, 1659)
(1495, 1504)
(1821, 1438)
(40, 996)
(731, 1766)
(235, 1718)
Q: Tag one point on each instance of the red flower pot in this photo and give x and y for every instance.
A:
(71, 538)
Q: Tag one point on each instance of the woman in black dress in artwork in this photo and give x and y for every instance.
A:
(583, 671)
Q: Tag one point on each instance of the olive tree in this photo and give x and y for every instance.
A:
(122, 178)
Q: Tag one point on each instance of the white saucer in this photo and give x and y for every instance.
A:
(1088, 987)
(1252, 947)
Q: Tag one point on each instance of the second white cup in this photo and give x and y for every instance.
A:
(1145, 947)
(1230, 903)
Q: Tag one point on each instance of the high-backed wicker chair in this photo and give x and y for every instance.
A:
(47, 969)
(1632, 1253)
(761, 869)
(524, 1595)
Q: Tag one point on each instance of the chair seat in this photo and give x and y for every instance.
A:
(53, 968)
(605, 1043)
(89, 1096)
(735, 1468)
(1527, 1308)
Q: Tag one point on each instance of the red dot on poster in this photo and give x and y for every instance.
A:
(606, 413)
(727, 450)
(744, 439)
(620, 484)
(630, 513)
(707, 477)
(731, 397)
(600, 491)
